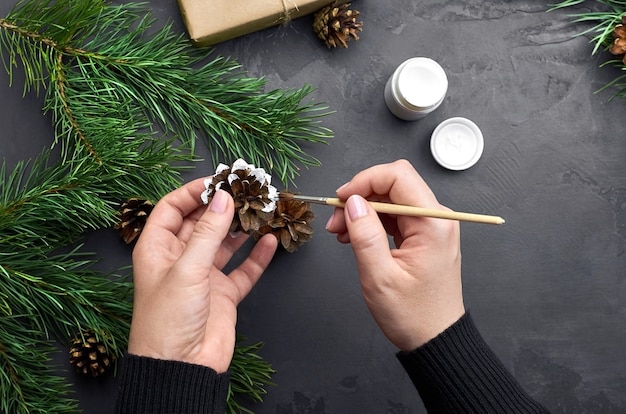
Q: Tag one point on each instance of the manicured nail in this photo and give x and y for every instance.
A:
(219, 202)
(339, 189)
(357, 207)
(330, 222)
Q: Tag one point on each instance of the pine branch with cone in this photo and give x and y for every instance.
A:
(96, 62)
(108, 87)
(606, 20)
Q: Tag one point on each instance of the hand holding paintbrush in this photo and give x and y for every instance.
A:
(414, 288)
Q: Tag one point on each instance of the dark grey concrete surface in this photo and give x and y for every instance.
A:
(547, 289)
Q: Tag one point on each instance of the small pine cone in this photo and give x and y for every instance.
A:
(254, 196)
(619, 44)
(133, 214)
(291, 224)
(90, 356)
(335, 24)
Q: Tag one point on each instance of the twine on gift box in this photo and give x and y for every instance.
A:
(286, 15)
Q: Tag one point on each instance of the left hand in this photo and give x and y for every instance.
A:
(185, 307)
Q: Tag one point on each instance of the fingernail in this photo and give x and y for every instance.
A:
(219, 202)
(340, 188)
(330, 222)
(356, 206)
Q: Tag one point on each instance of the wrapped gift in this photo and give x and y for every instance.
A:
(213, 21)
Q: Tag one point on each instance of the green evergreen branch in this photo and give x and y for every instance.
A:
(50, 205)
(28, 384)
(68, 116)
(128, 104)
(42, 208)
(47, 294)
(603, 22)
(251, 377)
(54, 204)
(64, 297)
(162, 78)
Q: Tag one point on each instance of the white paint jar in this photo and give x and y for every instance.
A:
(417, 87)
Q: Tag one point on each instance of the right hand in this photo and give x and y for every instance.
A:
(414, 291)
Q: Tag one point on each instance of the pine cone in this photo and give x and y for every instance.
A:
(619, 44)
(133, 215)
(335, 24)
(255, 199)
(89, 356)
(291, 224)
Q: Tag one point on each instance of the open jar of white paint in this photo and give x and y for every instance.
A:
(417, 87)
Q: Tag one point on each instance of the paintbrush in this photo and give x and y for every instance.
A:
(401, 210)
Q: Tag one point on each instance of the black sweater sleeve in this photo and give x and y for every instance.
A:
(154, 386)
(457, 372)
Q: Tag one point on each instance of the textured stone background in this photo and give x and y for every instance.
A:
(547, 290)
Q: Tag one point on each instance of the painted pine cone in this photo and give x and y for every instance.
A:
(251, 189)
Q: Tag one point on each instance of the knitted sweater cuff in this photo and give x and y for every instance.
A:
(457, 372)
(157, 386)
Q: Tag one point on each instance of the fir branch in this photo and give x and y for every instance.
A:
(619, 83)
(52, 205)
(61, 85)
(162, 77)
(41, 209)
(114, 85)
(249, 374)
(51, 295)
(64, 297)
(28, 384)
(603, 23)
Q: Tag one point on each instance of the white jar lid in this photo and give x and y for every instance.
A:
(457, 143)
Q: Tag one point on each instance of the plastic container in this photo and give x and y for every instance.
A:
(416, 88)
(457, 143)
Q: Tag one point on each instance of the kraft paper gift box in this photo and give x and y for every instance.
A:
(212, 21)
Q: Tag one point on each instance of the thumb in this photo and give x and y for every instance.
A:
(367, 236)
(208, 234)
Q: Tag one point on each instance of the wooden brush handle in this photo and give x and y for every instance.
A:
(401, 210)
